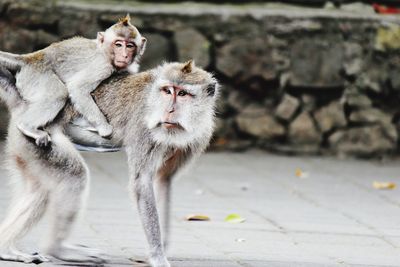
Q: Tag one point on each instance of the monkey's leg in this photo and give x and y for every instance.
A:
(26, 209)
(45, 98)
(163, 196)
(67, 199)
(162, 184)
(37, 115)
(143, 188)
(142, 164)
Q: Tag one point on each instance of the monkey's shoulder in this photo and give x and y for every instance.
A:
(34, 57)
(140, 79)
(75, 41)
(127, 83)
(73, 46)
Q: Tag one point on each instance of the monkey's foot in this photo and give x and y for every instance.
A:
(104, 130)
(42, 138)
(18, 256)
(159, 262)
(77, 253)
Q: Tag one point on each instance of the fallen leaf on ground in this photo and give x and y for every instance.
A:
(234, 218)
(341, 261)
(301, 174)
(197, 217)
(383, 185)
(221, 141)
(139, 262)
(244, 187)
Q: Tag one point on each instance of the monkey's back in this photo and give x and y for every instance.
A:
(72, 55)
(119, 97)
(68, 56)
(122, 89)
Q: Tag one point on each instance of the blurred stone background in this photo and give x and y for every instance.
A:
(296, 79)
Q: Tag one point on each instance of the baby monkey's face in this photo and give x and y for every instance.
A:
(124, 51)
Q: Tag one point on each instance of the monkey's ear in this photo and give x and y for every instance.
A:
(100, 37)
(143, 46)
(211, 88)
(188, 66)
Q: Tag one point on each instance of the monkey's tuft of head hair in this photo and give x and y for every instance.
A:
(125, 20)
(125, 29)
(188, 66)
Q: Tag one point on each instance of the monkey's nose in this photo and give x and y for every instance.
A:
(171, 108)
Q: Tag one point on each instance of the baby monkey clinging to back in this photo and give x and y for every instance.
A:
(72, 69)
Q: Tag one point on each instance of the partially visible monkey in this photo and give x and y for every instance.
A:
(72, 69)
(163, 117)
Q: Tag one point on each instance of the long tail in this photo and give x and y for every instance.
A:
(8, 90)
(9, 64)
(12, 62)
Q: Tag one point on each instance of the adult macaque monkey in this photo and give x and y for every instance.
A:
(163, 117)
(72, 69)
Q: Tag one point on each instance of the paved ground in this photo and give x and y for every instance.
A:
(332, 218)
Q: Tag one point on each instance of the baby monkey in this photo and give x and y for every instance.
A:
(72, 69)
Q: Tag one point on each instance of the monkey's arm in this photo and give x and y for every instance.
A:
(87, 140)
(79, 90)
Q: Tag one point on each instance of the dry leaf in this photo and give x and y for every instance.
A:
(383, 185)
(197, 217)
(221, 141)
(234, 218)
(301, 174)
(244, 187)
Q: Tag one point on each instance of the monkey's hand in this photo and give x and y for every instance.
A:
(105, 130)
(43, 140)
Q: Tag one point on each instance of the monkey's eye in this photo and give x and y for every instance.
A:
(166, 90)
(131, 46)
(118, 44)
(182, 93)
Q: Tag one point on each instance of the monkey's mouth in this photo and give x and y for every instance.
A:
(171, 125)
(121, 64)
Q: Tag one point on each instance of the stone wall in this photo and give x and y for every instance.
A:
(295, 80)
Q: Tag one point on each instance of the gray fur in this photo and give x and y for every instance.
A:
(11, 61)
(71, 69)
(135, 106)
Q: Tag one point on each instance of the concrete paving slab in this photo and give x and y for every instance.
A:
(334, 217)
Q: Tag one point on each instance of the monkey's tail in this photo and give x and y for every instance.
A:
(8, 90)
(12, 62)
